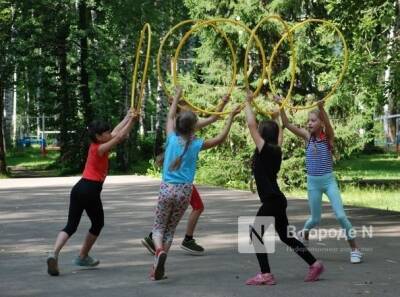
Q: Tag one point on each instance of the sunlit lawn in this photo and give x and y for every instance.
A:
(31, 158)
(377, 166)
(373, 197)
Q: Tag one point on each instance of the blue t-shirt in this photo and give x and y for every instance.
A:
(174, 147)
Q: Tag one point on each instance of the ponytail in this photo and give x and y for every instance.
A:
(176, 164)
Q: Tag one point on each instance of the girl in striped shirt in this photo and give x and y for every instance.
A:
(319, 138)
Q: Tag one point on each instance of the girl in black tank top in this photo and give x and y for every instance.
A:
(266, 164)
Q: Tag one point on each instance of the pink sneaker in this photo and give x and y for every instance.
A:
(261, 279)
(314, 272)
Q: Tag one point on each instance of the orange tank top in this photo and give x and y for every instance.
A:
(96, 167)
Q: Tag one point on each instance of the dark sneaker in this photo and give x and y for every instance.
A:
(192, 247)
(159, 266)
(52, 265)
(149, 245)
(87, 261)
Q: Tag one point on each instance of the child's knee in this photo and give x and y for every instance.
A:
(343, 220)
(70, 229)
(96, 228)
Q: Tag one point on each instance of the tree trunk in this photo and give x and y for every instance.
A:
(122, 155)
(62, 90)
(393, 83)
(161, 115)
(143, 120)
(84, 54)
(389, 76)
(3, 167)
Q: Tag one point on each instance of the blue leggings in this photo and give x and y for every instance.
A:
(318, 185)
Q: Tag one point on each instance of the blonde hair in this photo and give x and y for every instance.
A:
(316, 112)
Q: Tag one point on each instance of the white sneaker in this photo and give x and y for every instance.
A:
(303, 240)
(355, 256)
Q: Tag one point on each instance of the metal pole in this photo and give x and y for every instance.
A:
(43, 127)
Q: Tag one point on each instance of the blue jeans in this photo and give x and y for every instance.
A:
(326, 184)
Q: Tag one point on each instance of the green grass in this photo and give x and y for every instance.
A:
(372, 197)
(377, 166)
(30, 158)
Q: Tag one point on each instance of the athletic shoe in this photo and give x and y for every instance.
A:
(261, 279)
(314, 272)
(151, 275)
(192, 247)
(148, 243)
(356, 256)
(52, 265)
(158, 270)
(87, 261)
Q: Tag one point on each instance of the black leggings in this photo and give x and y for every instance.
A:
(277, 209)
(85, 195)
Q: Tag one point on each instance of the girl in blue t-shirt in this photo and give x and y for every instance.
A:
(179, 167)
(319, 140)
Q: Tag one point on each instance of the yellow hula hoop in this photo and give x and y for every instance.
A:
(343, 71)
(162, 43)
(160, 49)
(233, 53)
(213, 21)
(293, 59)
(146, 28)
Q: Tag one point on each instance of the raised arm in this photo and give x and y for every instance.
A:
(224, 133)
(275, 116)
(201, 123)
(300, 132)
(121, 124)
(172, 110)
(120, 136)
(330, 134)
(252, 123)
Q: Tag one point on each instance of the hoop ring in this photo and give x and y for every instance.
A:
(292, 62)
(159, 54)
(138, 105)
(216, 21)
(343, 71)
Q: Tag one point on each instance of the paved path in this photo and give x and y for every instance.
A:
(33, 210)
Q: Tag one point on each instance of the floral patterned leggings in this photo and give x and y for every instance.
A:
(172, 203)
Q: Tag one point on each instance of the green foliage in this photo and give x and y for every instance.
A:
(33, 51)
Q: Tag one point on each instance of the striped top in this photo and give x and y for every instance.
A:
(318, 156)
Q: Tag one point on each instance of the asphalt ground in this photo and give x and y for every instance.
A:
(32, 211)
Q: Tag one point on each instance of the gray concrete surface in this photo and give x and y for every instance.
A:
(33, 210)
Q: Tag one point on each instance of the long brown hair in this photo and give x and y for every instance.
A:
(184, 124)
(269, 131)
